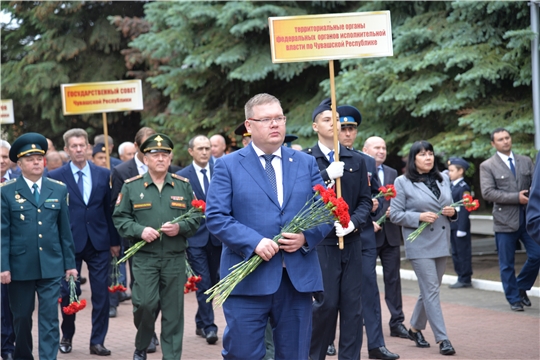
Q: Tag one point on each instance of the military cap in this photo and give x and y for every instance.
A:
(99, 147)
(157, 143)
(326, 104)
(459, 162)
(289, 139)
(241, 130)
(28, 144)
(349, 115)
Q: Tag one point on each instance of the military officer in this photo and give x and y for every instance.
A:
(37, 246)
(145, 204)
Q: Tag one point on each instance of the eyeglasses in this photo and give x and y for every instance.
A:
(280, 120)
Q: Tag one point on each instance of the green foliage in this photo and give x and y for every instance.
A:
(52, 43)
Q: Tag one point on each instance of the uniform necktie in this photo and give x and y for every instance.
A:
(270, 171)
(512, 166)
(205, 181)
(80, 183)
(36, 192)
(331, 156)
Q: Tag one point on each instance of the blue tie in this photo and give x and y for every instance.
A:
(80, 183)
(36, 193)
(331, 156)
(205, 181)
(512, 166)
(270, 171)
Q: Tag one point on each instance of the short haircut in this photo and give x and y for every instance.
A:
(123, 146)
(192, 141)
(143, 133)
(259, 99)
(411, 172)
(75, 133)
(100, 139)
(53, 155)
(498, 130)
(5, 144)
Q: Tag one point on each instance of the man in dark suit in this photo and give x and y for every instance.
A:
(94, 236)
(204, 249)
(388, 237)
(255, 192)
(37, 247)
(533, 207)
(505, 179)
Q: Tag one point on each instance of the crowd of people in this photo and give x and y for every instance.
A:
(66, 207)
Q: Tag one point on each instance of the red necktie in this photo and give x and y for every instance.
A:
(3, 179)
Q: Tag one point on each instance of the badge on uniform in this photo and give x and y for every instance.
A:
(22, 217)
(51, 200)
(142, 196)
(177, 198)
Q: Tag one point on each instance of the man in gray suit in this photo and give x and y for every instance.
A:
(388, 236)
(505, 179)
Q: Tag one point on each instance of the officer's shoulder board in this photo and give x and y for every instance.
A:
(180, 177)
(9, 182)
(56, 181)
(133, 179)
(462, 183)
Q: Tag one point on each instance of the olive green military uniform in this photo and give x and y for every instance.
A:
(159, 266)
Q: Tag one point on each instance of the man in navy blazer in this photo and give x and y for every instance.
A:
(255, 192)
(94, 236)
(204, 249)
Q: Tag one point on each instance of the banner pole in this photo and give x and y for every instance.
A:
(106, 134)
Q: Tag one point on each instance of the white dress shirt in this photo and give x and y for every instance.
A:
(200, 174)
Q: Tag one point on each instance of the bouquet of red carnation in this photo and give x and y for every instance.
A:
(324, 210)
(468, 202)
(197, 211)
(388, 192)
(75, 305)
(192, 279)
(116, 286)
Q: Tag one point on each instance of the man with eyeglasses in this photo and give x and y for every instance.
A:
(145, 204)
(256, 191)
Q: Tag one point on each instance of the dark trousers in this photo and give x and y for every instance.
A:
(462, 256)
(247, 317)
(205, 262)
(22, 301)
(391, 263)
(8, 336)
(506, 243)
(371, 302)
(342, 274)
(98, 272)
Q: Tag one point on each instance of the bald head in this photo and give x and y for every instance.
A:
(54, 160)
(218, 146)
(376, 147)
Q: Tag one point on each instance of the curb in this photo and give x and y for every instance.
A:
(479, 284)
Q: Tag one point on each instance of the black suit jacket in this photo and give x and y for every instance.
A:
(354, 188)
(389, 232)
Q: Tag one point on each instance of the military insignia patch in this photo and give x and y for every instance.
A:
(119, 199)
(177, 198)
(178, 205)
(142, 206)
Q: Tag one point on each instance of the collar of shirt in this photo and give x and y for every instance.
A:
(198, 168)
(85, 170)
(455, 182)
(31, 183)
(504, 158)
(140, 165)
(325, 150)
(260, 153)
(6, 176)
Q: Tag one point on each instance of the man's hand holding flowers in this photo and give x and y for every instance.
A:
(170, 229)
(290, 242)
(266, 249)
(149, 234)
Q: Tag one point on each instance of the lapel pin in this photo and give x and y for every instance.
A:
(290, 159)
(142, 196)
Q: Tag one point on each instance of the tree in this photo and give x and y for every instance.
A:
(52, 43)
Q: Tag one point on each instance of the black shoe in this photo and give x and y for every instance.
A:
(100, 350)
(200, 332)
(7, 356)
(82, 280)
(65, 346)
(524, 298)
(123, 296)
(445, 348)
(460, 285)
(382, 353)
(516, 307)
(112, 311)
(154, 342)
(211, 337)
(418, 338)
(139, 355)
(399, 331)
(331, 351)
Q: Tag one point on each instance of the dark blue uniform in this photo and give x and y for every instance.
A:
(461, 246)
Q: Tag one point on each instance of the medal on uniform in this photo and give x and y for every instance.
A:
(17, 196)
(142, 196)
(22, 217)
